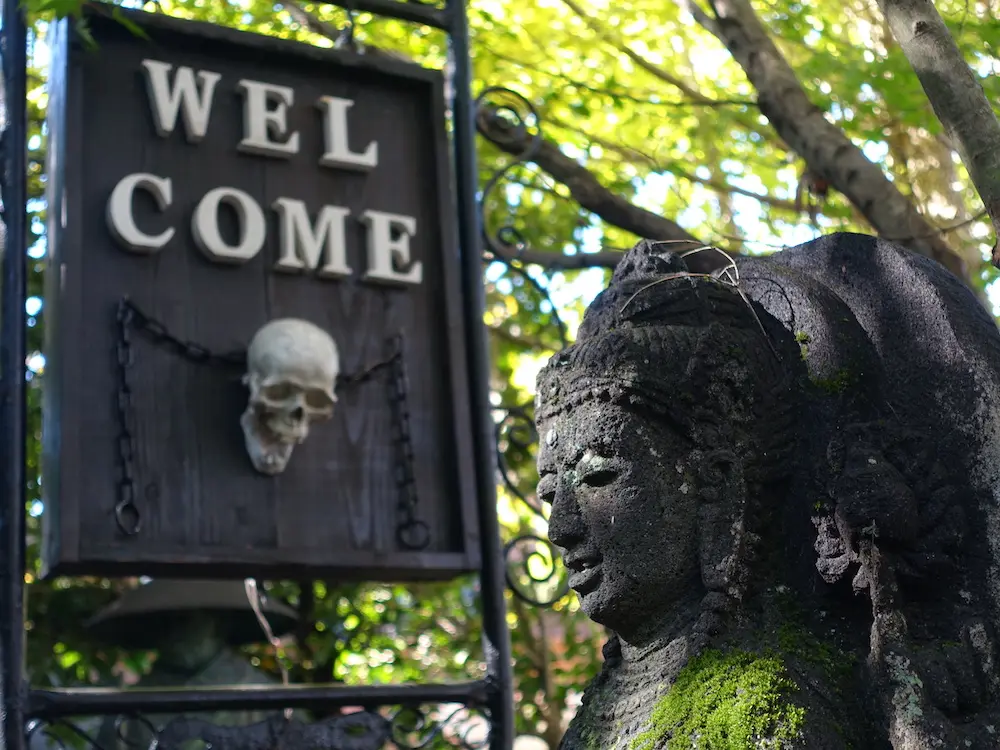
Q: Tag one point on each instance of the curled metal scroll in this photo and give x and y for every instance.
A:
(515, 433)
(463, 727)
(532, 566)
(502, 113)
(534, 570)
(499, 108)
(60, 734)
(405, 728)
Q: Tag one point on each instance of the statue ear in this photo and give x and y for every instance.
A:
(722, 529)
(870, 490)
(717, 472)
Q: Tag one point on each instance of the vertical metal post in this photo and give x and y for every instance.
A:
(13, 146)
(495, 632)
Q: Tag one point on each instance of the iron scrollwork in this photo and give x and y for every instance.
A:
(403, 728)
(533, 570)
(464, 727)
(506, 116)
(532, 567)
(502, 110)
(515, 438)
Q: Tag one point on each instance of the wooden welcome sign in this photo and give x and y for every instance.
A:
(255, 350)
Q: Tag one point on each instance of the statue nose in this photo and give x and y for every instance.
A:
(566, 526)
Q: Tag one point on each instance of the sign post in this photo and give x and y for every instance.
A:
(264, 348)
(13, 399)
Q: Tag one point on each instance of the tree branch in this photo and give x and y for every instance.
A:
(714, 184)
(313, 24)
(655, 70)
(523, 341)
(703, 20)
(827, 151)
(593, 196)
(561, 261)
(955, 94)
(318, 26)
(583, 186)
(645, 98)
(604, 33)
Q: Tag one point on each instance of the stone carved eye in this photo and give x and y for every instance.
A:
(596, 470)
(599, 477)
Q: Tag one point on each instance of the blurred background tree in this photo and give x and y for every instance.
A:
(749, 126)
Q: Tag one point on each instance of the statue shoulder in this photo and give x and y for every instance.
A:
(756, 700)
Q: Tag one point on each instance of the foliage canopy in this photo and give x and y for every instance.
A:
(664, 119)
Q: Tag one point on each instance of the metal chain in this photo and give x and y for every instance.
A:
(156, 332)
(160, 335)
(357, 378)
(126, 512)
(411, 532)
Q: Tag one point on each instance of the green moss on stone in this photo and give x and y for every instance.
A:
(839, 382)
(796, 641)
(725, 701)
(803, 338)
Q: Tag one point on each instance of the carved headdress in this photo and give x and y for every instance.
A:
(688, 349)
(691, 352)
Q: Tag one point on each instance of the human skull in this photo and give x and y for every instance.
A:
(292, 368)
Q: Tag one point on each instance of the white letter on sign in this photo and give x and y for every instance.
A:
(338, 150)
(304, 246)
(205, 226)
(386, 252)
(260, 123)
(193, 100)
(121, 221)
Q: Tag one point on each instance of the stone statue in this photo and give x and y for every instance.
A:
(195, 626)
(777, 487)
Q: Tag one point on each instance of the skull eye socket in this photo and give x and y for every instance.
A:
(318, 400)
(278, 391)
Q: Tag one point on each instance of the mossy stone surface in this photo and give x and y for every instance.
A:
(726, 701)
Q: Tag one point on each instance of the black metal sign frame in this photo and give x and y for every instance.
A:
(26, 708)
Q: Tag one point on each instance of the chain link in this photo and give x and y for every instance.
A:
(411, 532)
(126, 512)
(357, 378)
(159, 335)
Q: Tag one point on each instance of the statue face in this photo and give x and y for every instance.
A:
(622, 513)
(192, 641)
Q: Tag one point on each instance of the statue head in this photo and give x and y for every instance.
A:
(830, 420)
(666, 434)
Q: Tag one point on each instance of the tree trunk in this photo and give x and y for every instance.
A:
(955, 94)
(827, 151)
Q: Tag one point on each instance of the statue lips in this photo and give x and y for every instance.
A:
(585, 572)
